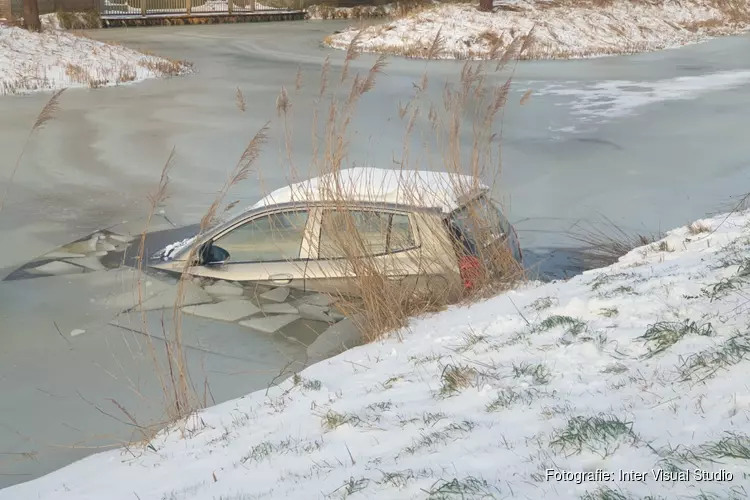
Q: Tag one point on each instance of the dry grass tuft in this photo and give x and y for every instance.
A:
(76, 73)
(164, 67)
(122, 74)
(88, 19)
(698, 227)
(241, 103)
(126, 74)
(525, 97)
(491, 37)
(603, 244)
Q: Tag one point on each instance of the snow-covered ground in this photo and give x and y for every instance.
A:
(611, 385)
(56, 59)
(561, 29)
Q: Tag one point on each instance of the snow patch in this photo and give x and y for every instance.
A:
(173, 249)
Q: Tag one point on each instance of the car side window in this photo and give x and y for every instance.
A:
(270, 238)
(359, 233)
(401, 235)
(494, 214)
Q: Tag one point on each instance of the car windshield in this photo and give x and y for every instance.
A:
(479, 222)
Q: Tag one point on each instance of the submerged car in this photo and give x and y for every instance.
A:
(280, 266)
(423, 229)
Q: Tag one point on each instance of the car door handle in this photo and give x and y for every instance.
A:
(280, 279)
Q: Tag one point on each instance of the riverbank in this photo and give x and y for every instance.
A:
(558, 29)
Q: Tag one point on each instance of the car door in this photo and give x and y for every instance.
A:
(272, 248)
(355, 241)
(404, 260)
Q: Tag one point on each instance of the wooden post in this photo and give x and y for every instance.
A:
(230, 6)
(188, 6)
(143, 7)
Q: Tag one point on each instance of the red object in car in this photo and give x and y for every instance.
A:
(470, 268)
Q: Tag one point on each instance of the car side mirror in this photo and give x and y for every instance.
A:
(212, 255)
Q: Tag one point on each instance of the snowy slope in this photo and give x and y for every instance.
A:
(560, 29)
(640, 367)
(57, 59)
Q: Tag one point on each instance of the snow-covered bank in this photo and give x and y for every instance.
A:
(561, 29)
(70, 20)
(560, 390)
(56, 59)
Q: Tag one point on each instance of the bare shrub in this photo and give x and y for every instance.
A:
(89, 19)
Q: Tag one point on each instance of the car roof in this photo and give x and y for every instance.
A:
(413, 188)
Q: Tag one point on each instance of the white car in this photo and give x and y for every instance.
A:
(417, 227)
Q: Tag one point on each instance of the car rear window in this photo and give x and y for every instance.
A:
(478, 222)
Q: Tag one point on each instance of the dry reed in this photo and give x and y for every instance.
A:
(48, 113)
